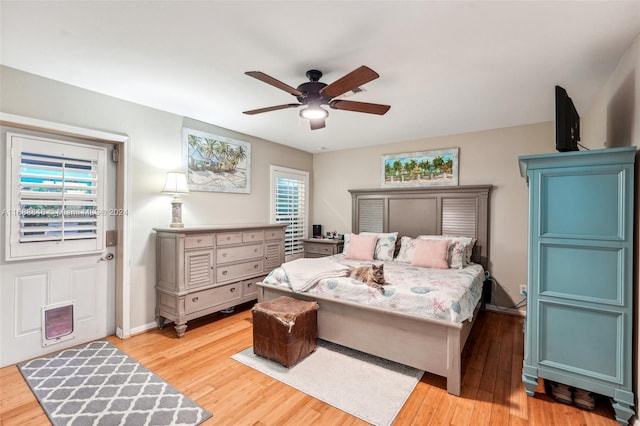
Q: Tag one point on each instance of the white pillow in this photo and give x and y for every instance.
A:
(385, 246)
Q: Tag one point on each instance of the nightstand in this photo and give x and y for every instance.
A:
(321, 247)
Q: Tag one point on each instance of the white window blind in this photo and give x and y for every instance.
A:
(290, 203)
(56, 197)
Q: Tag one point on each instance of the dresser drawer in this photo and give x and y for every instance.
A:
(229, 238)
(253, 236)
(250, 288)
(235, 254)
(274, 234)
(215, 296)
(325, 249)
(231, 272)
(198, 241)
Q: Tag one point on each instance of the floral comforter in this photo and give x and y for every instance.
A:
(446, 294)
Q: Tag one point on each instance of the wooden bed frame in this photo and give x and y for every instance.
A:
(428, 344)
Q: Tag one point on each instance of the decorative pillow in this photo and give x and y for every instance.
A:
(345, 246)
(457, 249)
(385, 245)
(361, 247)
(431, 254)
(470, 243)
(407, 250)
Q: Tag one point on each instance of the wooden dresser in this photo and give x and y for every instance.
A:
(579, 326)
(201, 270)
(320, 247)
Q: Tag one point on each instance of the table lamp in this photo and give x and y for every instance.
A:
(176, 184)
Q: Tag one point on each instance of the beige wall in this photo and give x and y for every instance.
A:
(488, 157)
(156, 147)
(613, 118)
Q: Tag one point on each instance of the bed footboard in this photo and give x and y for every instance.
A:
(431, 345)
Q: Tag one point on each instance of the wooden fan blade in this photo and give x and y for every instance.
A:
(360, 107)
(317, 123)
(272, 81)
(350, 81)
(273, 108)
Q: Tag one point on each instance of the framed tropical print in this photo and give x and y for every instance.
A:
(426, 168)
(216, 163)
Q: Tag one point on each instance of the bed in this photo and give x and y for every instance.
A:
(433, 344)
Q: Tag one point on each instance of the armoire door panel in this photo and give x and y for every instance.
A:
(565, 211)
(582, 327)
(580, 272)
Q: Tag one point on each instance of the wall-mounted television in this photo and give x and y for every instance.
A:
(567, 122)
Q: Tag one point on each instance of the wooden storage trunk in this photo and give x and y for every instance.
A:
(285, 330)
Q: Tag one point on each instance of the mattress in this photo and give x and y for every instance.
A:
(445, 294)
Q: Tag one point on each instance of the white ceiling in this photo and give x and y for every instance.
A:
(445, 67)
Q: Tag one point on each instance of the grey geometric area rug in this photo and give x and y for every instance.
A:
(97, 384)
(365, 386)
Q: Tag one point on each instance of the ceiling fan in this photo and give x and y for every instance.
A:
(314, 93)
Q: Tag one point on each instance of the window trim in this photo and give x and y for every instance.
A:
(14, 248)
(274, 172)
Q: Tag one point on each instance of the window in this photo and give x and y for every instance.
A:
(55, 197)
(290, 204)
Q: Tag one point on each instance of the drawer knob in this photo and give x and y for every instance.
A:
(224, 254)
(224, 272)
(228, 238)
(232, 289)
(256, 266)
(194, 300)
(249, 285)
(255, 250)
(199, 240)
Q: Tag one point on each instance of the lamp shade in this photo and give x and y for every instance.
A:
(176, 183)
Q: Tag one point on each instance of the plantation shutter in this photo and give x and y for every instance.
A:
(290, 205)
(371, 215)
(56, 198)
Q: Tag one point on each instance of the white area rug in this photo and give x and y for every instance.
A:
(370, 388)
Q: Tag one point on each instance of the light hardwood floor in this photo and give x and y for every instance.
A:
(199, 365)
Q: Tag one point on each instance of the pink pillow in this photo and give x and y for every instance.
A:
(431, 254)
(361, 247)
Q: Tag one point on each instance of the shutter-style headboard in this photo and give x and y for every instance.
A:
(457, 210)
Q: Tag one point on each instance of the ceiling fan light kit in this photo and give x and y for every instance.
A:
(313, 94)
(314, 113)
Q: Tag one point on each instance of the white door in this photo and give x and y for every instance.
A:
(58, 254)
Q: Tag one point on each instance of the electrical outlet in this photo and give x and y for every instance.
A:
(523, 290)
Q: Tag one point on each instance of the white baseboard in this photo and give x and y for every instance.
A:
(511, 311)
(143, 328)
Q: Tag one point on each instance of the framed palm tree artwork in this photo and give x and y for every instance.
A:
(216, 163)
(414, 169)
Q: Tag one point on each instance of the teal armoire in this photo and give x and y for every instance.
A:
(579, 325)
